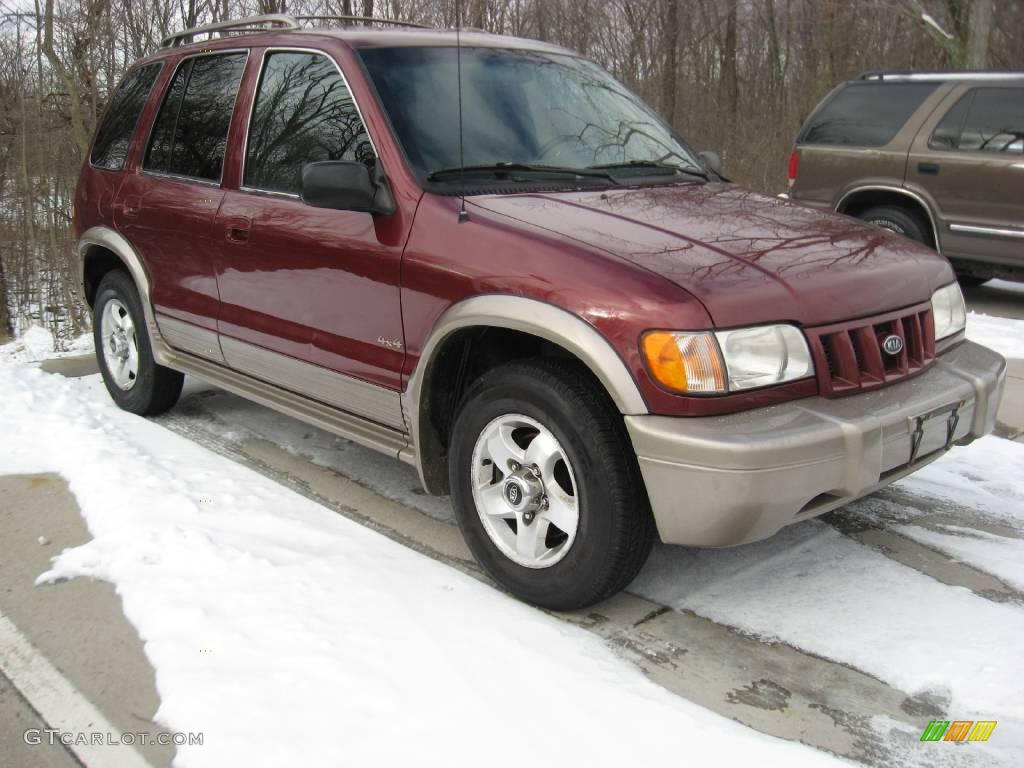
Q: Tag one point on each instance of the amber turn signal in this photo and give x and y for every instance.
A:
(685, 362)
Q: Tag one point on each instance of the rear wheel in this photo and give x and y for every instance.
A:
(545, 487)
(133, 378)
(898, 220)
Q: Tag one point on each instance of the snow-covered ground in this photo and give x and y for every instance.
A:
(328, 643)
(317, 623)
(1004, 335)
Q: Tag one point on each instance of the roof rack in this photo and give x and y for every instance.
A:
(251, 24)
(365, 19)
(938, 76)
(247, 24)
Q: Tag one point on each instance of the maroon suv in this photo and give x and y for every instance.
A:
(607, 343)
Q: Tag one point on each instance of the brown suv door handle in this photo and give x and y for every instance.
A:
(931, 169)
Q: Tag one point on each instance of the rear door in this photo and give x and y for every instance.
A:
(310, 296)
(859, 136)
(971, 162)
(167, 208)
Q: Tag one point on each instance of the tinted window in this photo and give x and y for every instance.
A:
(947, 132)
(518, 107)
(865, 114)
(110, 149)
(995, 121)
(191, 131)
(303, 113)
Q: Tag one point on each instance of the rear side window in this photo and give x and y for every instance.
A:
(191, 131)
(303, 113)
(983, 120)
(110, 150)
(865, 114)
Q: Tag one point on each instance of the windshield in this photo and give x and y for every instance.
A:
(519, 107)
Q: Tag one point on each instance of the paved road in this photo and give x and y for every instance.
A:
(77, 627)
(997, 297)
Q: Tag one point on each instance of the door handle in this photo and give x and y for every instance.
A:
(131, 206)
(930, 169)
(238, 231)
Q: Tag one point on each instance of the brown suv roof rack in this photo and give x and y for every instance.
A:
(938, 76)
(266, 22)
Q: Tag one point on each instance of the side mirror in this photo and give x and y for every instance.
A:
(346, 186)
(712, 160)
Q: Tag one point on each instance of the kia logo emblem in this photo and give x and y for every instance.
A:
(513, 494)
(892, 345)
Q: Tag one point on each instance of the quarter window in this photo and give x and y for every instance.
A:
(865, 114)
(303, 113)
(110, 149)
(191, 131)
(984, 120)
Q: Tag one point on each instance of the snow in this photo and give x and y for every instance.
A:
(1004, 335)
(328, 643)
(37, 343)
(999, 555)
(816, 589)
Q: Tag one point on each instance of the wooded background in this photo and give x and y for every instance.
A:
(736, 76)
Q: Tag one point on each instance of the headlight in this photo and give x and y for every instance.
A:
(727, 361)
(949, 311)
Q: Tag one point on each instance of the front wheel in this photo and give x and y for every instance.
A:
(545, 486)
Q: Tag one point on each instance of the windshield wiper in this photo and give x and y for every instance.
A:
(446, 174)
(653, 165)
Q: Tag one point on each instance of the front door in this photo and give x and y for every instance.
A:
(972, 164)
(167, 210)
(310, 296)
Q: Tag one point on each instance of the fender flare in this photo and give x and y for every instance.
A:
(899, 191)
(105, 237)
(516, 313)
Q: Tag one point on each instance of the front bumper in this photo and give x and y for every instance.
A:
(725, 480)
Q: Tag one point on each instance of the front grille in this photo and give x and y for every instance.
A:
(850, 357)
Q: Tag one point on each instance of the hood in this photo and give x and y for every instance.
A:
(747, 257)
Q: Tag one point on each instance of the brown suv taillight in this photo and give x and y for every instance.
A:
(794, 166)
(852, 357)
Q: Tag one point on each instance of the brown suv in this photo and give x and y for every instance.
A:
(582, 333)
(938, 157)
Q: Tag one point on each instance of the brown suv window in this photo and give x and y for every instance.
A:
(110, 149)
(865, 114)
(191, 131)
(983, 120)
(303, 113)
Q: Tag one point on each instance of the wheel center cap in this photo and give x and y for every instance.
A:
(119, 346)
(522, 491)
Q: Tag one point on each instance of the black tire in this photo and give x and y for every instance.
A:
(615, 529)
(898, 220)
(155, 388)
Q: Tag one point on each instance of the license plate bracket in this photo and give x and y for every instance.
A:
(916, 425)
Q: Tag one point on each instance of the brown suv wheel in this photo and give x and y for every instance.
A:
(897, 220)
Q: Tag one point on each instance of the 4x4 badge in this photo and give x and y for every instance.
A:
(390, 343)
(892, 345)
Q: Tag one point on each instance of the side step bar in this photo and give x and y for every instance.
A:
(393, 442)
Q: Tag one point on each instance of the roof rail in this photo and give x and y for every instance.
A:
(939, 76)
(247, 24)
(272, 21)
(366, 19)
